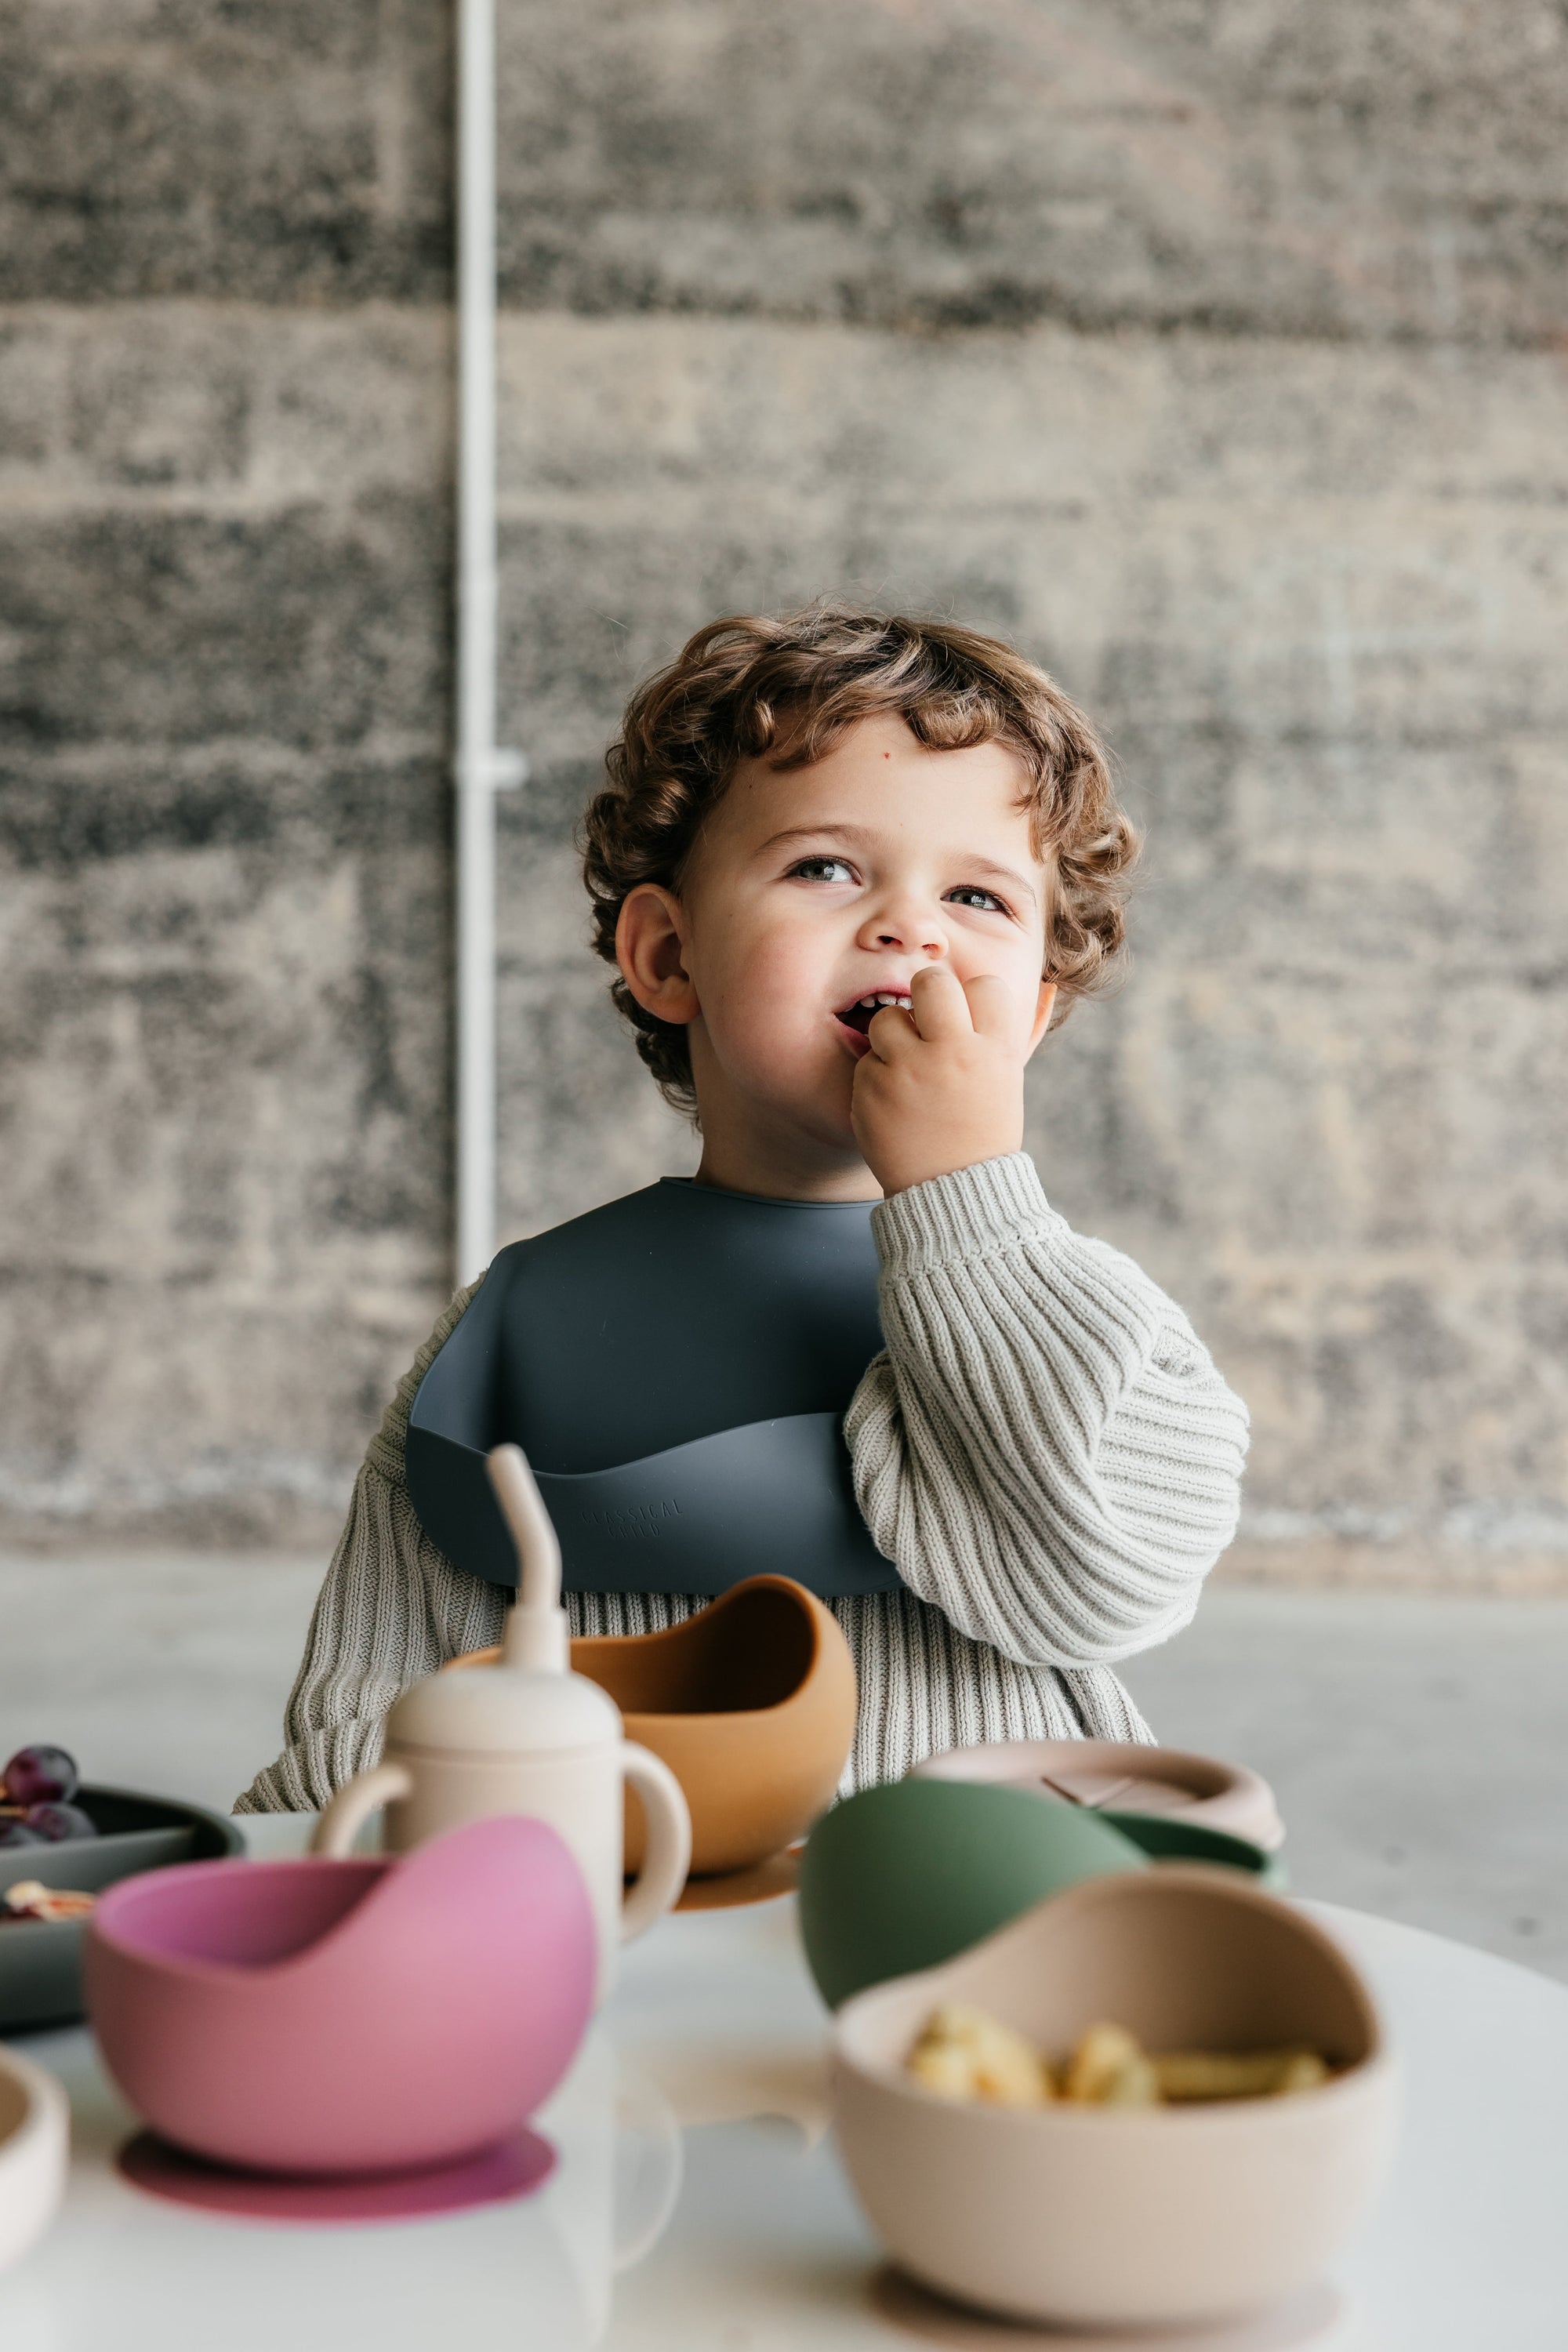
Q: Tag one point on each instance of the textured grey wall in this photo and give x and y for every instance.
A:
(1213, 349)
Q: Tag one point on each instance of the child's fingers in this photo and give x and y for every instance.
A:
(889, 1029)
(990, 1006)
(941, 1007)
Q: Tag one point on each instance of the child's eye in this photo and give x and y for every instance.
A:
(822, 870)
(970, 894)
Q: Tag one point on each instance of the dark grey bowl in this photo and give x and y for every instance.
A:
(40, 1964)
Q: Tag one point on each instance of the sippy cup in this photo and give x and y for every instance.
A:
(527, 1735)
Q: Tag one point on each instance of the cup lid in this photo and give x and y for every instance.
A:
(512, 1709)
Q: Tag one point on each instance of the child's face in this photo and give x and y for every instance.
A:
(812, 890)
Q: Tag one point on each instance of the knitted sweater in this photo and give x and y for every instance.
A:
(1044, 1448)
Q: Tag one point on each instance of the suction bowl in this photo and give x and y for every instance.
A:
(906, 1876)
(320, 2016)
(1105, 2217)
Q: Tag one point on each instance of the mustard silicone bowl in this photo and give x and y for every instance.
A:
(751, 1704)
(1105, 2217)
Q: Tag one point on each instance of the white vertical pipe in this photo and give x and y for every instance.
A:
(478, 767)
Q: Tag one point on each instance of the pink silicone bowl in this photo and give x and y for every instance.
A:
(359, 2016)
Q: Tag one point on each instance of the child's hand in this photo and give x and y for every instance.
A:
(943, 1086)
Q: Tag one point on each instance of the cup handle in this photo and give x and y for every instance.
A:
(667, 1841)
(353, 1805)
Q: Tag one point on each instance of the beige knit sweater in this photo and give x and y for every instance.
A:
(1045, 1449)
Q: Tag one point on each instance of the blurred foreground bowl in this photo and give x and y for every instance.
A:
(323, 2017)
(35, 2143)
(1111, 2217)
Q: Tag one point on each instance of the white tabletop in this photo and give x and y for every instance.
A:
(738, 2231)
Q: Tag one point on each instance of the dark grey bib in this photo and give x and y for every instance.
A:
(677, 1367)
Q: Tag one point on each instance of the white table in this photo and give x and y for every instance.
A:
(723, 2179)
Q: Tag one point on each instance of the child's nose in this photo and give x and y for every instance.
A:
(909, 926)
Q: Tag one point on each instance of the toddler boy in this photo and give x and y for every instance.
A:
(848, 869)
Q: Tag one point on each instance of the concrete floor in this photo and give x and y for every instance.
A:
(1418, 1745)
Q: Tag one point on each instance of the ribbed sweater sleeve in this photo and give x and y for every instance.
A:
(392, 1610)
(1045, 1450)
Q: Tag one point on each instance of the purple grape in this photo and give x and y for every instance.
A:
(40, 1776)
(18, 1834)
(56, 1823)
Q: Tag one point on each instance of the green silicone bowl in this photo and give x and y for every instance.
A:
(907, 1875)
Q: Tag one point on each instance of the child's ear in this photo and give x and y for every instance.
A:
(650, 948)
(1042, 1014)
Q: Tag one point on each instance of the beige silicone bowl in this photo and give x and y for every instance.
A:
(1122, 1776)
(1105, 2217)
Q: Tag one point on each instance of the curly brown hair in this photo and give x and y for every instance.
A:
(745, 688)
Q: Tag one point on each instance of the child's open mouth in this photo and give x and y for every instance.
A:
(856, 1018)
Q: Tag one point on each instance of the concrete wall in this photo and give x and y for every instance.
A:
(1212, 348)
